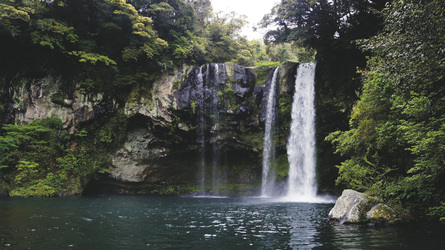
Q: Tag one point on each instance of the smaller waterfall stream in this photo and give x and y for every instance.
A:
(217, 179)
(201, 123)
(207, 84)
(301, 144)
(268, 149)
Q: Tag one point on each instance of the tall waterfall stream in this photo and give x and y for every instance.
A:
(301, 185)
(301, 143)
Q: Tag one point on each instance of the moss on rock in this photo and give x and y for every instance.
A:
(382, 213)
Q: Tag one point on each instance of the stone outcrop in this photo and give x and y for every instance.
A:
(223, 88)
(157, 103)
(132, 162)
(42, 99)
(356, 207)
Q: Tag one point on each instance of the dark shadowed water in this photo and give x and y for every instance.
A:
(139, 222)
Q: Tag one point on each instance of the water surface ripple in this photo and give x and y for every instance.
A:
(139, 222)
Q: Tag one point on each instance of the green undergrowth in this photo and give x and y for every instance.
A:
(262, 72)
(253, 140)
(281, 166)
(43, 159)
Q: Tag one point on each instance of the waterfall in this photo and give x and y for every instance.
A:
(208, 127)
(216, 175)
(301, 143)
(201, 124)
(268, 149)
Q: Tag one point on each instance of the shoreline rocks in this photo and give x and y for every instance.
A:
(356, 207)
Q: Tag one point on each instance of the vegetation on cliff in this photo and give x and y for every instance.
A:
(42, 159)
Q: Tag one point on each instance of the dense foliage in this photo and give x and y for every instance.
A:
(99, 42)
(36, 161)
(396, 144)
(109, 45)
(42, 159)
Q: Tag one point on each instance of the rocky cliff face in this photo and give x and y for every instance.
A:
(212, 114)
(31, 100)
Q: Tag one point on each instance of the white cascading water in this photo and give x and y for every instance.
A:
(201, 135)
(268, 149)
(208, 91)
(301, 144)
(216, 175)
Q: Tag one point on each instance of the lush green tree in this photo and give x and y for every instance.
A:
(222, 45)
(13, 19)
(396, 144)
(281, 52)
(175, 22)
(329, 27)
(28, 153)
(204, 13)
(97, 40)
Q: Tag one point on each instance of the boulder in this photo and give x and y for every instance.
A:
(381, 213)
(349, 207)
(356, 207)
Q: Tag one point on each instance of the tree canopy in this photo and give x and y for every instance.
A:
(111, 44)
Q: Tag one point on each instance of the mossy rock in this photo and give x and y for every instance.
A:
(382, 213)
(288, 71)
(262, 73)
(281, 166)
